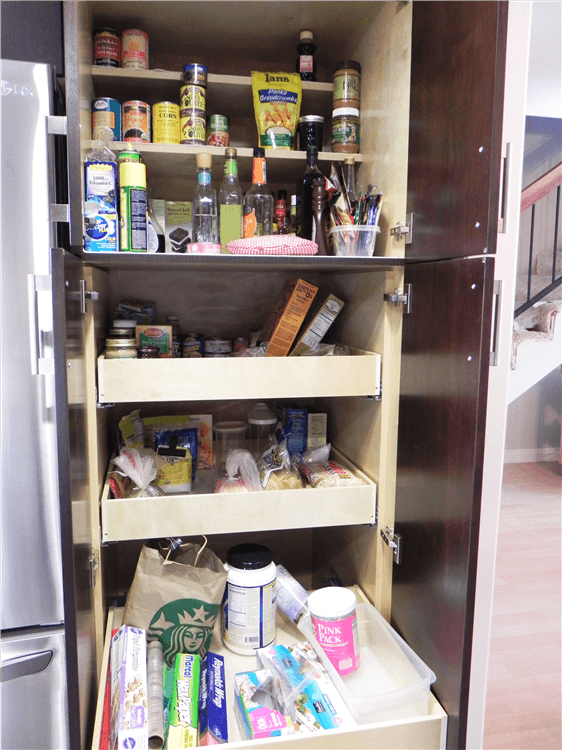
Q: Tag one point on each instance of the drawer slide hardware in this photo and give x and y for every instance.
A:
(93, 566)
(404, 230)
(394, 541)
(401, 297)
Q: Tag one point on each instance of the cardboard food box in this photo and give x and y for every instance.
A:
(182, 732)
(320, 317)
(160, 336)
(178, 226)
(286, 317)
(129, 716)
(316, 434)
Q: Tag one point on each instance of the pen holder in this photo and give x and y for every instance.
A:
(354, 240)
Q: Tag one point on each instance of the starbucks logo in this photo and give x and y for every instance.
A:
(184, 626)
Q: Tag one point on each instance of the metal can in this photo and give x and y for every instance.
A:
(192, 128)
(217, 346)
(134, 49)
(106, 113)
(165, 123)
(177, 344)
(195, 74)
(193, 98)
(107, 47)
(217, 131)
(132, 193)
(136, 121)
(193, 345)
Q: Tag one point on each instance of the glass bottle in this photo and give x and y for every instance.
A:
(205, 224)
(349, 177)
(305, 217)
(321, 215)
(306, 64)
(155, 235)
(281, 212)
(258, 201)
(231, 199)
(292, 227)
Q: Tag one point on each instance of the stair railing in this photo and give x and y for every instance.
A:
(537, 191)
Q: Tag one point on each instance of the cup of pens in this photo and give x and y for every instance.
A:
(354, 239)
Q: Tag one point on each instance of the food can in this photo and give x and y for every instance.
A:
(217, 346)
(177, 345)
(192, 128)
(193, 345)
(106, 113)
(132, 193)
(107, 47)
(136, 121)
(165, 123)
(217, 131)
(134, 49)
(193, 97)
(195, 74)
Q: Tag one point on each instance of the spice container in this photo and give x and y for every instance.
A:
(120, 348)
(310, 132)
(347, 84)
(334, 620)
(195, 74)
(345, 131)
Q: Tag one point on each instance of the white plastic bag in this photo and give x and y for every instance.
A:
(142, 470)
(240, 462)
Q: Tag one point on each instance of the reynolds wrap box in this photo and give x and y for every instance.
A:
(129, 716)
(182, 732)
(286, 317)
(319, 319)
(213, 725)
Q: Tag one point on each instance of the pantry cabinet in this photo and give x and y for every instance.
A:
(406, 406)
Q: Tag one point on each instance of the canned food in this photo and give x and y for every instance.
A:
(217, 131)
(217, 346)
(193, 345)
(165, 123)
(106, 113)
(148, 352)
(107, 48)
(177, 344)
(192, 128)
(193, 97)
(136, 121)
(134, 49)
(195, 74)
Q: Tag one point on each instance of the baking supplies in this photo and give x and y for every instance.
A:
(334, 620)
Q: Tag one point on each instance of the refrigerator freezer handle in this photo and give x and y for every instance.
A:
(26, 665)
(40, 365)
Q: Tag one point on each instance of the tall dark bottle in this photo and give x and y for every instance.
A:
(306, 64)
(305, 213)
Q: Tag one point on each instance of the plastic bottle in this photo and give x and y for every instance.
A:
(291, 596)
(231, 199)
(248, 609)
(305, 217)
(334, 621)
(262, 423)
(306, 64)
(205, 224)
(258, 201)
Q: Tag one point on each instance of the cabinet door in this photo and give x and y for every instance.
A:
(456, 100)
(445, 353)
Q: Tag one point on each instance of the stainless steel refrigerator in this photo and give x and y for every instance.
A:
(39, 661)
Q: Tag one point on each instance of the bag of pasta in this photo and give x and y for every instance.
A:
(277, 106)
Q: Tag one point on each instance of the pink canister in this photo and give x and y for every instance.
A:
(332, 611)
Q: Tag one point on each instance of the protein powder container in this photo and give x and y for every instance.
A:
(332, 610)
(248, 610)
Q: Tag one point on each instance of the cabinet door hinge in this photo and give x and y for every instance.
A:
(93, 565)
(394, 541)
(404, 230)
(83, 296)
(401, 297)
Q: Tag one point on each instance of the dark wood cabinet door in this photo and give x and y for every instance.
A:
(456, 103)
(445, 355)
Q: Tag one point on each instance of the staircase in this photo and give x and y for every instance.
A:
(537, 342)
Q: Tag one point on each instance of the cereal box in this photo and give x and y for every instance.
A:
(317, 322)
(182, 732)
(128, 690)
(286, 317)
(213, 725)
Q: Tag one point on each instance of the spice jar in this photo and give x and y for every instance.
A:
(345, 130)
(120, 349)
(148, 352)
(347, 84)
(310, 132)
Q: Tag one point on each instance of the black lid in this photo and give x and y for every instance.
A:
(249, 556)
(259, 153)
(353, 64)
(282, 195)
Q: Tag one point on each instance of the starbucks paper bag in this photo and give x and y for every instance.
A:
(176, 601)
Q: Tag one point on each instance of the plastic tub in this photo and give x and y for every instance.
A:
(354, 240)
(228, 435)
(392, 681)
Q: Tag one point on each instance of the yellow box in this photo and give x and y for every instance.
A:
(286, 317)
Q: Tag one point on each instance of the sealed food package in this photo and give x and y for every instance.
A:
(141, 468)
(182, 731)
(178, 449)
(276, 470)
(329, 474)
(176, 442)
(258, 710)
(277, 104)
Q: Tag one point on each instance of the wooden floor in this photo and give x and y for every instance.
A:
(523, 706)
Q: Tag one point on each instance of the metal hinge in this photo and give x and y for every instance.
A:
(404, 230)
(93, 565)
(56, 125)
(83, 296)
(401, 297)
(394, 541)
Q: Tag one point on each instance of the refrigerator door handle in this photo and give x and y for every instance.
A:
(26, 665)
(39, 337)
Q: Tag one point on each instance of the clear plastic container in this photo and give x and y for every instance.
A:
(229, 435)
(262, 422)
(354, 240)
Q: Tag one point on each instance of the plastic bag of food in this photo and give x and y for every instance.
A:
(317, 455)
(141, 469)
(277, 106)
(277, 472)
(242, 473)
(329, 474)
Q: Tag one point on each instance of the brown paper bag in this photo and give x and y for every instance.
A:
(176, 601)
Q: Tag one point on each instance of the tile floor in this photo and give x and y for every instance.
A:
(523, 705)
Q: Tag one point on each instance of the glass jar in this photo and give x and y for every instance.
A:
(310, 132)
(345, 130)
(347, 84)
(120, 349)
(148, 352)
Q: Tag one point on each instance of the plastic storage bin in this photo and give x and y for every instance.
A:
(392, 681)
(228, 435)
(354, 240)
